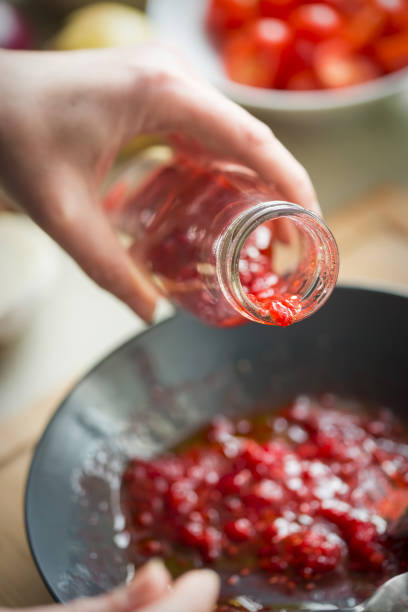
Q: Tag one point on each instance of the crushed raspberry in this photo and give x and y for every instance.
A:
(308, 492)
(313, 551)
(263, 287)
(281, 310)
(239, 530)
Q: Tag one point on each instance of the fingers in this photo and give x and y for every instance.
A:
(72, 217)
(254, 144)
(196, 591)
(200, 112)
(149, 585)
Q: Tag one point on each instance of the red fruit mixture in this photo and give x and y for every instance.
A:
(263, 287)
(173, 216)
(302, 45)
(300, 495)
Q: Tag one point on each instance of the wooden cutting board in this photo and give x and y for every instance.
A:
(372, 234)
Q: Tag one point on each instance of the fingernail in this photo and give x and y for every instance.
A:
(153, 570)
(208, 576)
(316, 208)
(284, 231)
(162, 310)
(149, 582)
(155, 565)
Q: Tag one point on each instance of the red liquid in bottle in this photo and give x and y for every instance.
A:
(176, 220)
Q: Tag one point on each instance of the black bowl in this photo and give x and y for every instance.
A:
(157, 387)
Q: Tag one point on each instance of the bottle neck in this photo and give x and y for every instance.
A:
(312, 280)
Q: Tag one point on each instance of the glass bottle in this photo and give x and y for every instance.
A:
(211, 234)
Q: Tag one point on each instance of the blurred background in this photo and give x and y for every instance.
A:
(54, 322)
(346, 150)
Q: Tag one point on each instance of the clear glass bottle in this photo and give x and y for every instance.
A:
(213, 238)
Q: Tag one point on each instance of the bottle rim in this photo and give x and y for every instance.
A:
(231, 241)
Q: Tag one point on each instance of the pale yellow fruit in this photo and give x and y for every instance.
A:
(107, 24)
(104, 24)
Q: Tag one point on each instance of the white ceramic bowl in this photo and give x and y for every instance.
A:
(181, 22)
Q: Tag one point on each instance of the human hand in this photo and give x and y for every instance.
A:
(151, 590)
(65, 116)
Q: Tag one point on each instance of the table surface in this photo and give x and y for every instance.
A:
(372, 234)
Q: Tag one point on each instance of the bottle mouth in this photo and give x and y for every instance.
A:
(303, 287)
